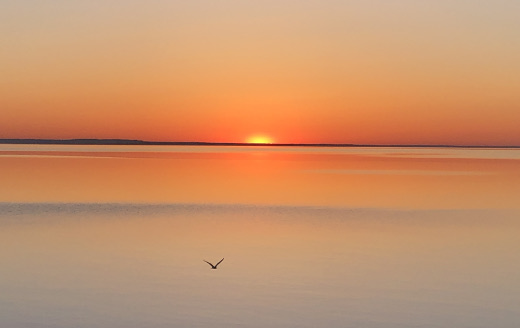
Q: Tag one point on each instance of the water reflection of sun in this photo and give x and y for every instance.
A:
(259, 139)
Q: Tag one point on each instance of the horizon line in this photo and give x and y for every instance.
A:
(137, 142)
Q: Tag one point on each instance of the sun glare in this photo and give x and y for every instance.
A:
(259, 139)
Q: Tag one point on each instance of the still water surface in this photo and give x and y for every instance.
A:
(114, 236)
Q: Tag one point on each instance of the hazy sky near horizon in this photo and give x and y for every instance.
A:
(385, 72)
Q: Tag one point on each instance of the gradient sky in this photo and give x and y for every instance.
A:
(382, 71)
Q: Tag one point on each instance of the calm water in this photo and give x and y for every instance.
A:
(115, 236)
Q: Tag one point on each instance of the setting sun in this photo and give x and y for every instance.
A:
(259, 139)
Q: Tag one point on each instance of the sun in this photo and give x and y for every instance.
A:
(259, 139)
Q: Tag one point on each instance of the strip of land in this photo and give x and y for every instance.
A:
(196, 143)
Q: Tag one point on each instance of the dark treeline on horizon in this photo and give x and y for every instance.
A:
(133, 142)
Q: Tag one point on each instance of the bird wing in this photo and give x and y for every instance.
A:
(209, 263)
(219, 262)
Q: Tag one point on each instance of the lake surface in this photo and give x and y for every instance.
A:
(115, 236)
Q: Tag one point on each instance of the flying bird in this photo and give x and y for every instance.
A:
(214, 266)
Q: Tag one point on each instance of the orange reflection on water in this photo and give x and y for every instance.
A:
(266, 175)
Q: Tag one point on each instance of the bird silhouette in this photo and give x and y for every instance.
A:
(214, 266)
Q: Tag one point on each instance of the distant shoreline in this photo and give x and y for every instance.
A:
(130, 142)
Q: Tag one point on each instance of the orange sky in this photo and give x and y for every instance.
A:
(384, 72)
